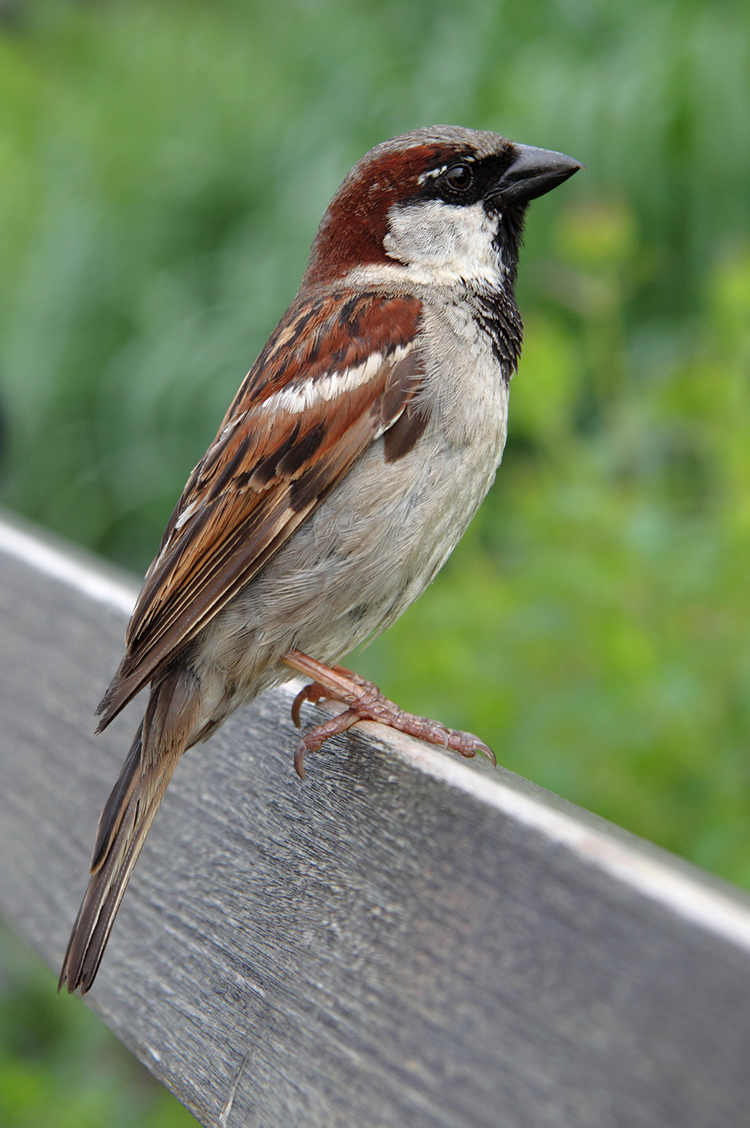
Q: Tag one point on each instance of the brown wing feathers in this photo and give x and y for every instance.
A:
(272, 463)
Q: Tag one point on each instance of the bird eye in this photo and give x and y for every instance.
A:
(459, 177)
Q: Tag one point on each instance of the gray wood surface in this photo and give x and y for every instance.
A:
(404, 939)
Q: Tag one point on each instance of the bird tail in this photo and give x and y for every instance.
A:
(125, 821)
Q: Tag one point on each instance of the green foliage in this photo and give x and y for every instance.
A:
(166, 165)
(593, 624)
(60, 1067)
(163, 168)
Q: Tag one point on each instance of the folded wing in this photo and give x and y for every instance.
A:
(331, 379)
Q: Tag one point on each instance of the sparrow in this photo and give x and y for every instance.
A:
(345, 471)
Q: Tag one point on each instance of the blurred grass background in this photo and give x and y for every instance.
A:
(163, 167)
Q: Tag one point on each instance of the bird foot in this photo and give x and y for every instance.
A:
(365, 702)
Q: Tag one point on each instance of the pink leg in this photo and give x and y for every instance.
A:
(365, 702)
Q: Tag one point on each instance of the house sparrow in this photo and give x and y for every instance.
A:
(347, 468)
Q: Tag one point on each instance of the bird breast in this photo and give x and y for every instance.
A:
(378, 539)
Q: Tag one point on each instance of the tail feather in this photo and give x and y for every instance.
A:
(117, 804)
(107, 887)
(161, 739)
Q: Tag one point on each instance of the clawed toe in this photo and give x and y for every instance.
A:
(365, 702)
(468, 745)
(313, 693)
(465, 743)
(314, 740)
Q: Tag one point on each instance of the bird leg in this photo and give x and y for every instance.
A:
(364, 702)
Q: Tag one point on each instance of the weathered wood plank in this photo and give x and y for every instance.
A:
(404, 939)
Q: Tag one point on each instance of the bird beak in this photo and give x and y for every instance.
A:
(534, 172)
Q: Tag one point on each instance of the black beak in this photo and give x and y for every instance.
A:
(534, 172)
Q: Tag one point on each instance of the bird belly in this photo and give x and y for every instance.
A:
(355, 565)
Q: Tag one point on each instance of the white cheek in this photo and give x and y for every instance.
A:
(452, 240)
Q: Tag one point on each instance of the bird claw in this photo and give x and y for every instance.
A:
(314, 740)
(365, 702)
(313, 693)
(488, 752)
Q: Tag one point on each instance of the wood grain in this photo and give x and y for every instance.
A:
(402, 940)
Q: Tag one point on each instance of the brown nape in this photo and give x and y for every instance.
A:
(352, 231)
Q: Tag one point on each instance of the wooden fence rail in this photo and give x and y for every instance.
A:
(403, 940)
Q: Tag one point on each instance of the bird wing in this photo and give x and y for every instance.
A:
(336, 373)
